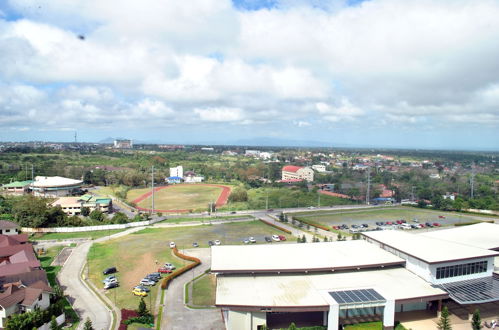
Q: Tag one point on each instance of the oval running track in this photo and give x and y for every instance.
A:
(221, 200)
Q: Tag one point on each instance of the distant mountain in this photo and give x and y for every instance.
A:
(276, 142)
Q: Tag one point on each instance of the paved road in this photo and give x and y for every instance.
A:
(83, 300)
(178, 317)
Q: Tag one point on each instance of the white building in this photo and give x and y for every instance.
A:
(319, 168)
(177, 171)
(387, 274)
(123, 144)
(55, 186)
(291, 172)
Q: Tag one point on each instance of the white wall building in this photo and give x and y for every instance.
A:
(291, 172)
(55, 186)
(319, 168)
(177, 171)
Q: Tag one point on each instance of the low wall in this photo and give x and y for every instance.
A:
(60, 320)
(483, 211)
(90, 228)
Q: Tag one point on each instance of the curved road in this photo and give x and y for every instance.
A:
(83, 300)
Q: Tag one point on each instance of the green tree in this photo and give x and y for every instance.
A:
(85, 211)
(304, 239)
(88, 325)
(142, 310)
(476, 321)
(120, 217)
(96, 215)
(292, 326)
(444, 322)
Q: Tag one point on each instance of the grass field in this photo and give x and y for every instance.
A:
(84, 234)
(203, 291)
(178, 197)
(330, 218)
(135, 255)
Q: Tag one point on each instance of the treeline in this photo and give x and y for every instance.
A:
(29, 211)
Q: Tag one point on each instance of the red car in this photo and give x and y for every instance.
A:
(399, 222)
(282, 237)
(164, 270)
(441, 217)
(436, 224)
(389, 223)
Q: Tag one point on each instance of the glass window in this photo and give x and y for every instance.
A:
(462, 269)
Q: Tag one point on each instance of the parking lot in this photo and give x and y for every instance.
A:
(388, 218)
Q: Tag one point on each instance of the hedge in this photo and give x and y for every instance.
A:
(472, 223)
(275, 226)
(312, 223)
(169, 278)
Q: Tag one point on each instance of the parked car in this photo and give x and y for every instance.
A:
(210, 243)
(415, 220)
(165, 270)
(436, 224)
(282, 237)
(108, 278)
(110, 285)
(169, 266)
(110, 270)
(268, 239)
(142, 288)
(365, 225)
(428, 224)
(414, 226)
(146, 281)
(246, 241)
(195, 244)
(389, 223)
(399, 222)
(275, 238)
(172, 245)
(270, 210)
(252, 239)
(139, 293)
(217, 242)
(111, 280)
(405, 226)
(154, 276)
(233, 212)
(441, 216)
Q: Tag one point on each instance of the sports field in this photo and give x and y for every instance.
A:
(135, 255)
(180, 198)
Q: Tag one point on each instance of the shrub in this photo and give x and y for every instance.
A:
(167, 279)
(275, 226)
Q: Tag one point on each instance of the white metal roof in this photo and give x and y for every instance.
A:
(482, 235)
(428, 249)
(299, 257)
(54, 181)
(287, 290)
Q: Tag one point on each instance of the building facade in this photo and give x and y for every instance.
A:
(55, 186)
(291, 172)
(123, 144)
(74, 205)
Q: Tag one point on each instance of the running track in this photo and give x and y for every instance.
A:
(222, 199)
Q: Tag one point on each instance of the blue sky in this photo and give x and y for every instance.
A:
(387, 73)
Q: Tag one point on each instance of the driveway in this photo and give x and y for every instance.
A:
(175, 315)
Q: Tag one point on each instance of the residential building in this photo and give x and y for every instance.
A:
(55, 186)
(16, 188)
(73, 205)
(191, 177)
(319, 168)
(174, 179)
(291, 172)
(9, 228)
(123, 144)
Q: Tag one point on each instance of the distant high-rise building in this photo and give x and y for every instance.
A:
(123, 144)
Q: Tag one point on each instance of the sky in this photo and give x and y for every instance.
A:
(377, 73)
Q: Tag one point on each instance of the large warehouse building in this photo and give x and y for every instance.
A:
(387, 274)
(55, 186)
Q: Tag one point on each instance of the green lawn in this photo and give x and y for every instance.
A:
(368, 325)
(203, 290)
(206, 219)
(84, 234)
(135, 255)
(178, 197)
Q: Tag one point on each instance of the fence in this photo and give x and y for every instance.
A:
(90, 228)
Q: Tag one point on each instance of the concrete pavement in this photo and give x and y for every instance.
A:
(176, 316)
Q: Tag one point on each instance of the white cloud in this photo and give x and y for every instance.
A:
(344, 111)
(220, 114)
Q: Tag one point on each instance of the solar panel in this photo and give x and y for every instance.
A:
(480, 290)
(357, 296)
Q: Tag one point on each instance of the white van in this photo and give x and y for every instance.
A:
(405, 226)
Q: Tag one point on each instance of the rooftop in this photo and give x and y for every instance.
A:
(54, 181)
(287, 290)
(482, 235)
(4, 224)
(428, 249)
(300, 257)
(17, 184)
(291, 168)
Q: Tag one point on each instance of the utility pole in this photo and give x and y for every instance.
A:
(267, 202)
(472, 181)
(368, 185)
(318, 199)
(412, 194)
(152, 188)
(32, 171)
